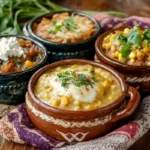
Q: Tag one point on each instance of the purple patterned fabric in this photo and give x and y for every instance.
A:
(28, 133)
(109, 22)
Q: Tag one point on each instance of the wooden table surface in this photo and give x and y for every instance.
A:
(141, 8)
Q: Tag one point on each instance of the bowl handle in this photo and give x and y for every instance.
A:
(130, 107)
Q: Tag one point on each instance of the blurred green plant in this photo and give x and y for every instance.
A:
(14, 13)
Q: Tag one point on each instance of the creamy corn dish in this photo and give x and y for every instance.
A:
(129, 46)
(77, 87)
(17, 54)
(65, 28)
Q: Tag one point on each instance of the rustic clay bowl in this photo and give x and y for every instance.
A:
(137, 76)
(83, 49)
(79, 126)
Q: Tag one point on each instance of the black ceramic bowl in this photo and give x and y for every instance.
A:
(13, 85)
(83, 49)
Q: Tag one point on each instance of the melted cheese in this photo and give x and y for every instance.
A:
(83, 94)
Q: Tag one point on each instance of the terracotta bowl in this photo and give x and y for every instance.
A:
(137, 76)
(79, 126)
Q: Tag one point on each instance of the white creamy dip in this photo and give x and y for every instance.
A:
(10, 47)
(83, 93)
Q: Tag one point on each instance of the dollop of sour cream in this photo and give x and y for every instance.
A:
(83, 93)
(10, 47)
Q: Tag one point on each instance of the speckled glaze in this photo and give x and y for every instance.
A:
(79, 126)
(137, 76)
(14, 85)
(83, 49)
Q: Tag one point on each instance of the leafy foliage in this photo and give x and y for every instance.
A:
(14, 13)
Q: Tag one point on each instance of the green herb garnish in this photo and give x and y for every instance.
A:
(78, 80)
(46, 87)
(92, 71)
(125, 49)
(134, 37)
(122, 38)
(147, 35)
(17, 62)
(68, 24)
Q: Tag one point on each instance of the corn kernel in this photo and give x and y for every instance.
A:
(103, 45)
(88, 107)
(90, 68)
(126, 30)
(100, 90)
(58, 68)
(74, 66)
(138, 54)
(120, 57)
(113, 37)
(132, 61)
(106, 83)
(145, 49)
(98, 71)
(55, 103)
(64, 101)
(144, 43)
(111, 98)
(77, 108)
(132, 55)
(117, 53)
(107, 46)
(142, 36)
(108, 37)
(99, 104)
(77, 102)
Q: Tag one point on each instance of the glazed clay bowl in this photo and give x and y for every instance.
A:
(13, 85)
(83, 49)
(137, 76)
(79, 126)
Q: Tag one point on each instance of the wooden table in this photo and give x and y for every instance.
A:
(140, 7)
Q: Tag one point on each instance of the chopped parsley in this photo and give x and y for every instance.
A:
(68, 24)
(147, 35)
(78, 80)
(46, 87)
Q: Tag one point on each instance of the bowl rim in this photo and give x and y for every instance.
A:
(30, 24)
(37, 74)
(41, 46)
(101, 55)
